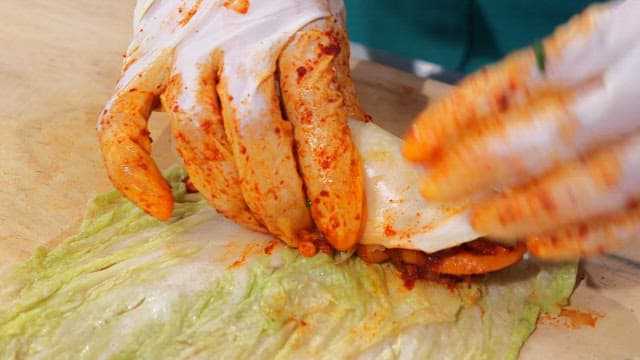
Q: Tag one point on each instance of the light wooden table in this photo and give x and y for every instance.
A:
(58, 65)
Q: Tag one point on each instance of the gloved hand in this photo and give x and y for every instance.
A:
(547, 141)
(258, 93)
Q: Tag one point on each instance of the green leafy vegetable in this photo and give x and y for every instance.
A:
(128, 286)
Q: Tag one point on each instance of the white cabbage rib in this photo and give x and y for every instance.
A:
(397, 215)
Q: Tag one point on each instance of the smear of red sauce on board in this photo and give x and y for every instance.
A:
(571, 319)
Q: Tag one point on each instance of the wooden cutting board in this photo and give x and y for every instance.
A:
(58, 65)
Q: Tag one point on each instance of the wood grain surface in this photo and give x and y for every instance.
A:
(58, 65)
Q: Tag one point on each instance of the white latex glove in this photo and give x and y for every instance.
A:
(548, 140)
(218, 68)
(227, 72)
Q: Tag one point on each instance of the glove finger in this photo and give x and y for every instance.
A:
(527, 141)
(343, 71)
(126, 148)
(587, 239)
(607, 181)
(573, 49)
(262, 144)
(327, 158)
(514, 146)
(196, 122)
(481, 95)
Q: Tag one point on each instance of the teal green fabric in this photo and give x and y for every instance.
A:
(461, 35)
